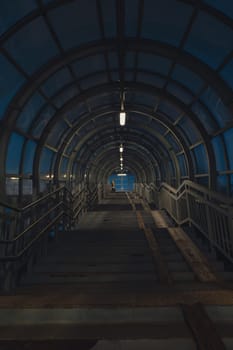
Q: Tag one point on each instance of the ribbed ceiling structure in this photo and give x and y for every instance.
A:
(67, 66)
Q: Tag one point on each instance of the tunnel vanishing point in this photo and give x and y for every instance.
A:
(116, 174)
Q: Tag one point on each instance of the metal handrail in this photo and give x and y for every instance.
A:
(210, 212)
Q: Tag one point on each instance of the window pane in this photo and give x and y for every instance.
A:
(46, 161)
(228, 137)
(56, 82)
(32, 46)
(166, 21)
(187, 78)
(217, 143)
(14, 153)
(210, 40)
(29, 112)
(201, 159)
(10, 82)
(182, 164)
(29, 157)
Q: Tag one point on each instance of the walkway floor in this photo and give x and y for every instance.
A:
(121, 275)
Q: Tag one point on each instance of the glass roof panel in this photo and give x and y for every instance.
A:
(29, 157)
(169, 109)
(189, 130)
(131, 11)
(109, 17)
(204, 117)
(10, 81)
(56, 82)
(32, 45)
(73, 114)
(88, 65)
(11, 11)
(14, 150)
(166, 21)
(216, 106)
(201, 163)
(219, 151)
(228, 137)
(154, 80)
(57, 133)
(75, 24)
(182, 165)
(65, 96)
(154, 63)
(177, 91)
(227, 73)
(29, 111)
(94, 80)
(187, 78)
(46, 114)
(173, 142)
(46, 161)
(210, 40)
(223, 5)
(72, 144)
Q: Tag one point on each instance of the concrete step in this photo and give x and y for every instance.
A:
(61, 278)
(94, 268)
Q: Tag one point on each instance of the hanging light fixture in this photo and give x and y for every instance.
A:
(122, 115)
(121, 149)
(122, 118)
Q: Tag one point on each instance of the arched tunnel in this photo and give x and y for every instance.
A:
(116, 116)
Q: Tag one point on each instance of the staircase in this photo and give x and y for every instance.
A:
(120, 277)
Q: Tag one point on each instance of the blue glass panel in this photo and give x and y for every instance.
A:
(223, 5)
(11, 11)
(227, 73)
(10, 82)
(72, 144)
(73, 114)
(63, 166)
(89, 65)
(113, 60)
(151, 79)
(131, 12)
(30, 111)
(205, 118)
(166, 21)
(216, 106)
(65, 96)
(14, 153)
(46, 161)
(57, 133)
(56, 82)
(29, 157)
(122, 183)
(95, 80)
(130, 60)
(169, 109)
(204, 181)
(180, 93)
(154, 63)
(231, 184)
(201, 159)
(210, 40)
(189, 130)
(173, 142)
(217, 143)
(76, 24)
(187, 78)
(109, 17)
(46, 114)
(222, 183)
(228, 137)
(141, 99)
(32, 46)
(182, 165)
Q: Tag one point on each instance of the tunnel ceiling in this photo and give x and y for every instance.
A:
(69, 67)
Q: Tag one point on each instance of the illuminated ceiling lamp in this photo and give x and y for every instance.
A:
(121, 149)
(122, 115)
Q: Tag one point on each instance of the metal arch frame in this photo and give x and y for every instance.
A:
(111, 145)
(169, 154)
(106, 158)
(141, 111)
